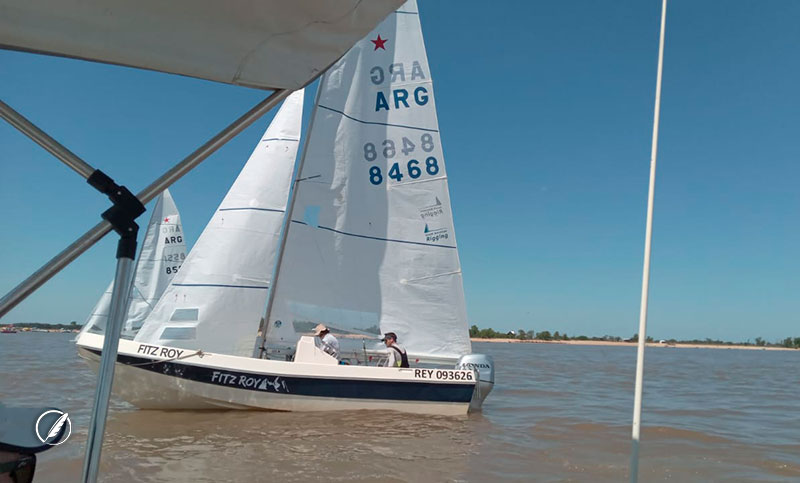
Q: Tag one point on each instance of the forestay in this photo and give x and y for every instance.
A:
(371, 241)
(163, 252)
(217, 300)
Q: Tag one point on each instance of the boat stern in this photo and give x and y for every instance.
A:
(483, 365)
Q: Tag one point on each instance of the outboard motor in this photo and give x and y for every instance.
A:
(484, 365)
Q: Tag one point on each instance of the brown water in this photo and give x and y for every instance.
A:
(557, 413)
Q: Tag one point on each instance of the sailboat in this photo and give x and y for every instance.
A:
(366, 244)
(162, 254)
(217, 300)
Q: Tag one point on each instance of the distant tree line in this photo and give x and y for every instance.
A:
(38, 325)
(522, 334)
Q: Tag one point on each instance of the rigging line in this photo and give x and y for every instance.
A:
(378, 123)
(263, 328)
(374, 237)
(258, 287)
(280, 139)
(141, 296)
(247, 208)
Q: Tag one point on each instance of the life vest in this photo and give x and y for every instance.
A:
(403, 362)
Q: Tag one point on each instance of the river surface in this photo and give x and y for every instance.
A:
(557, 413)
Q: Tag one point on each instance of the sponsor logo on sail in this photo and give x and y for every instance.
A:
(431, 211)
(433, 235)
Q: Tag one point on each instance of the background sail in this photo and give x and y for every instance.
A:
(371, 243)
(163, 251)
(217, 300)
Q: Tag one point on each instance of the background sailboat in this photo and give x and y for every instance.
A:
(371, 245)
(217, 299)
(162, 254)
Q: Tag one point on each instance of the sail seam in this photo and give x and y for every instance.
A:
(378, 123)
(280, 139)
(406, 183)
(454, 272)
(369, 237)
(261, 287)
(246, 208)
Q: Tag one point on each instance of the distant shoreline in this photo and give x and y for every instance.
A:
(633, 344)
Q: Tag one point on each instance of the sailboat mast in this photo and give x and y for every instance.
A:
(287, 223)
(637, 398)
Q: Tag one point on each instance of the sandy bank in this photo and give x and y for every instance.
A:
(632, 344)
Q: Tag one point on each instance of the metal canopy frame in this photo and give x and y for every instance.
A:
(238, 44)
(120, 217)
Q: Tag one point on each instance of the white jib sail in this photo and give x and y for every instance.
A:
(216, 301)
(371, 242)
(163, 251)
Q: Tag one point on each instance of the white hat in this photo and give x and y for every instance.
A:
(320, 328)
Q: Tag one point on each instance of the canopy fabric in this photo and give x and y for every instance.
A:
(268, 44)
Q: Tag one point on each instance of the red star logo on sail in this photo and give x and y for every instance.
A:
(379, 43)
(166, 220)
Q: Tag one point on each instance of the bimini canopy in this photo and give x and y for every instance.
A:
(267, 44)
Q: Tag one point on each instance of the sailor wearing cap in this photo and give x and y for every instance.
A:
(397, 354)
(327, 341)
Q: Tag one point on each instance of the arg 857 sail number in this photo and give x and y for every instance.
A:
(413, 168)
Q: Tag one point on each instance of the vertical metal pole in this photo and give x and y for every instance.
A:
(119, 308)
(261, 340)
(637, 398)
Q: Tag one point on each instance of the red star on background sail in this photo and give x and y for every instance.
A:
(379, 43)
(166, 220)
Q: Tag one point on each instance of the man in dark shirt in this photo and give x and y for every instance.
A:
(397, 354)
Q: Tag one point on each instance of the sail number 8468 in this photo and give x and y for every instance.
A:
(413, 170)
(397, 171)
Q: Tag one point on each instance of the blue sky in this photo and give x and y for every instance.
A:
(545, 110)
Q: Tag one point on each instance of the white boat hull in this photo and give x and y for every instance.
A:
(158, 377)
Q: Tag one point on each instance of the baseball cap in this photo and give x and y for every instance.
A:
(389, 335)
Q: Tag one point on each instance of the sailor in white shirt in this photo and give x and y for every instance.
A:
(327, 342)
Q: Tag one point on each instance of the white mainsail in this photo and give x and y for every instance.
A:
(217, 300)
(371, 241)
(163, 252)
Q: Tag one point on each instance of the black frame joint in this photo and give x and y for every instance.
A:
(122, 215)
